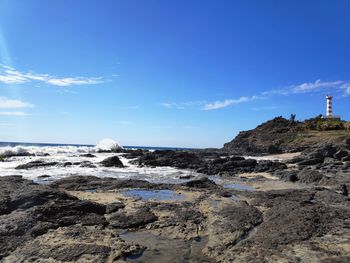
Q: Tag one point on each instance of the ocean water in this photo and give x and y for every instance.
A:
(30, 144)
(63, 153)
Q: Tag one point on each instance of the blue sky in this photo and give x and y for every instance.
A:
(167, 73)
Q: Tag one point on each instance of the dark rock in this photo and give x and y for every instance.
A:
(28, 210)
(178, 159)
(344, 190)
(295, 160)
(113, 161)
(35, 164)
(184, 216)
(232, 165)
(297, 215)
(346, 158)
(87, 164)
(114, 207)
(87, 155)
(131, 154)
(83, 183)
(232, 225)
(311, 161)
(288, 175)
(269, 166)
(310, 176)
(135, 219)
(17, 153)
(341, 154)
(202, 182)
(265, 138)
(321, 151)
(185, 177)
(66, 164)
(44, 176)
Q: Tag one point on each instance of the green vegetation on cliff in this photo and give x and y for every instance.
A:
(281, 135)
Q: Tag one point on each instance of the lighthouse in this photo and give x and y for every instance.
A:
(329, 111)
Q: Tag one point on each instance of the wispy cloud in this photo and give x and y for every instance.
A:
(10, 75)
(6, 103)
(182, 105)
(13, 113)
(309, 87)
(317, 85)
(223, 104)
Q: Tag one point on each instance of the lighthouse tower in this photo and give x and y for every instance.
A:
(329, 112)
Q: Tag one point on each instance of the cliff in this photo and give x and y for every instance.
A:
(280, 135)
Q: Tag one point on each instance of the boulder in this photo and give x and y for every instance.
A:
(201, 182)
(35, 164)
(287, 175)
(112, 161)
(134, 219)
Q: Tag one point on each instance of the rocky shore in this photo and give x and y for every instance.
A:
(280, 208)
(289, 211)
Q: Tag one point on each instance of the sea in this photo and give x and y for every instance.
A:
(62, 154)
(31, 144)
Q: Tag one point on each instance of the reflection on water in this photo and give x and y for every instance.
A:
(159, 195)
(163, 250)
(239, 187)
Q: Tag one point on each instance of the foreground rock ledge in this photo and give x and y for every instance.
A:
(64, 222)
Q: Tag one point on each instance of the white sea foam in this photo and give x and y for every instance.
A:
(13, 151)
(107, 145)
(62, 154)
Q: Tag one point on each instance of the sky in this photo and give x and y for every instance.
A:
(184, 73)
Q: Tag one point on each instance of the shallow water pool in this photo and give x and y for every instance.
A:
(159, 195)
(239, 187)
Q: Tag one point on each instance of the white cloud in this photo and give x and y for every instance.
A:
(6, 103)
(307, 87)
(223, 104)
(13, 113)
(73, 81)
(317, 85)
(9, 75)
(183, 105)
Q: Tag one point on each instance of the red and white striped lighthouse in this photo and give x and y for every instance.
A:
(329, 106)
